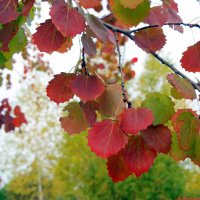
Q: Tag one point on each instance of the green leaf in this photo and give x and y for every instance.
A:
(196, 157)
(187, 124)
(175, 151)
(175, 94)
(75, 122)
(17, 44)
(129, 16)
(2, 59)
(161, 105)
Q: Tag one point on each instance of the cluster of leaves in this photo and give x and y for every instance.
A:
(7, 119)
(129, 138)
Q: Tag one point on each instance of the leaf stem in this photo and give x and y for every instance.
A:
(83, 63)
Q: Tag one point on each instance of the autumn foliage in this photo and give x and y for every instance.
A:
(96, 99)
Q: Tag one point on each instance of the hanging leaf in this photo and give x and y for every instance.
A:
(8, 10)
(127, 16)
(19, 117)
(137, 156)
(157, 15)
(161, 105)
(111, 101)
(89, 109)
(106, 138)
(170, 4)
(195, 157)
(27, 7)
(48, 38)
(67, 19)
(87, 87)
(117, 168)
(186, 126)
(151, 39)
(66, 45)
(133, 120)
(191, 58)
(89, 45)
(168, 12)
(183, 86)
(175, 151)
(90, 3)
(99, 29)
(157, 138)
(7, 120)
(75, 122)
(132, 4)
(6, 34)
(58, 89)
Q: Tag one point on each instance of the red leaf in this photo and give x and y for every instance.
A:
(75, 122)
(106, 138)
(111, 101)
(117, 168)
(166, 13)
(6, 34)
(48, 38)
(157, 15)
(175, 18)
(89, 111)
(87, 87)
(67, 19)
(157, 138)
(90, 3)
(191, 58)
(152, 39)
(8, 122)
(5, 105)
(27, 7)
(20, 118)
(138, 157)
(66, 45)
(58, 89)
(171, 10)
(8, 10)
(170, 4)
(134, 120)
(183, 86)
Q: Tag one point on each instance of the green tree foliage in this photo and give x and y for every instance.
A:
(153, 78)
(30, 185)
(81, 175)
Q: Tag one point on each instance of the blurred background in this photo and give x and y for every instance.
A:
(40, 162)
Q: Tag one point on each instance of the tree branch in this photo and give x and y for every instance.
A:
(125, 99)
(128, 33)
(167, 24)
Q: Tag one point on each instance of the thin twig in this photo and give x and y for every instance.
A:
(125, 99)
(128, 33)
(166, 24)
